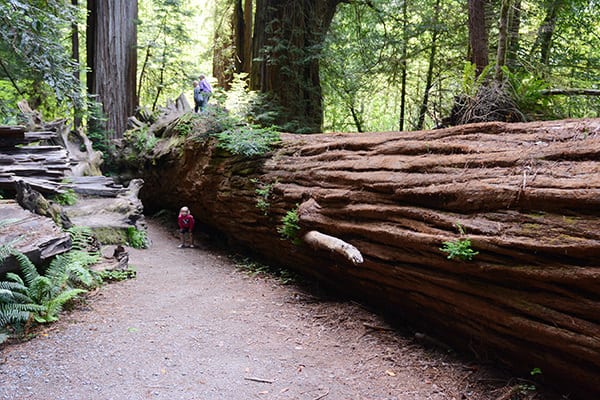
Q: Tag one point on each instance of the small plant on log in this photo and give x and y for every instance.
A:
(142, 141)
(289, 229)
(263, 192)
(185, 125)
(460, 248)
(248, 140)
(68, 198)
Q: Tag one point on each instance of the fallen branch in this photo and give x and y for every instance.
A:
(319, 240)
(250, 378)
(322, 396)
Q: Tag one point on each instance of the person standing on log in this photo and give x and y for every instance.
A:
(185, 220)
(206, 90)
(198, 98)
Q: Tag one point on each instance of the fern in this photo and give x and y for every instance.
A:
(55, 305)
(82, 238)
(27, 268)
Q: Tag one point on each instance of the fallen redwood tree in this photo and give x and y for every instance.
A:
(374, 211)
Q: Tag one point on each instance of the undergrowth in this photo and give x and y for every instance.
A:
(254, 268)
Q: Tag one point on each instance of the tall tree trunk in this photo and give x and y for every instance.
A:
(514, 27)
(112, 59)
(224, 62)
(286, 46)
(429, 78)
(502, 39)
(243, 36)
(403, 64)
(478, 37)
(242, 23)
(543, 41)
(75, 56)
(239, 26)
(247, 42)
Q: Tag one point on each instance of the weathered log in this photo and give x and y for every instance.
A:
(526, 195)
(38, 237)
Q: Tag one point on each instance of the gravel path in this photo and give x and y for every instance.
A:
(193, 326)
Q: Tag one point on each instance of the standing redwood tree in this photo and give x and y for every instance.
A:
(478, 37)
(111, 55)
(286, 47)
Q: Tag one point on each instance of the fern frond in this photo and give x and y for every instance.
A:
(29, 271)
(54, 306)
(80, 274)
(15, 278)
(13, 317)
(13, 294)
(42, 289)
(81, 237)
(83, 257)
(57, 270)
(13, 314)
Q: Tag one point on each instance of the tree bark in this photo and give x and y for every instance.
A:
(243, 36)
(502, 40)
(526, 195)
(478, 37)
(286, 46)
(514, 27)
(543, 42)
(111, 57)
(429, 79)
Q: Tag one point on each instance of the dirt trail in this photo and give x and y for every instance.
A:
(192, 326)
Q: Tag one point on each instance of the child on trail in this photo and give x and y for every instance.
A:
(185, 220)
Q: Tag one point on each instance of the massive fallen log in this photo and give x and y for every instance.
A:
(527, 196)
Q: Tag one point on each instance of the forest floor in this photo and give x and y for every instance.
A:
(194, 325)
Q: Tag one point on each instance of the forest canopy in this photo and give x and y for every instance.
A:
(308, 66)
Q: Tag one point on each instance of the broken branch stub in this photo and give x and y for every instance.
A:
(322, 241)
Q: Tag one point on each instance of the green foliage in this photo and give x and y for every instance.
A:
(254, 268)
(117, 275)
(68, 198)
(36, 62)
(290, 228)
(136, 238)
(263, 192)
(460, 248)
(526, 92)
(141, 140)
(163, 38)
(471, 82)
(186, 124)
(247, 140)
(37, 297)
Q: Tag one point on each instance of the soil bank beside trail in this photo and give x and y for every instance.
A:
(193, 326)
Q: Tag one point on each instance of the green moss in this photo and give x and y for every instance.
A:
(108, 235)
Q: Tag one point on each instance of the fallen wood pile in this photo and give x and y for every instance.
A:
(35, 164)
(49, 168)
(43, 167)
